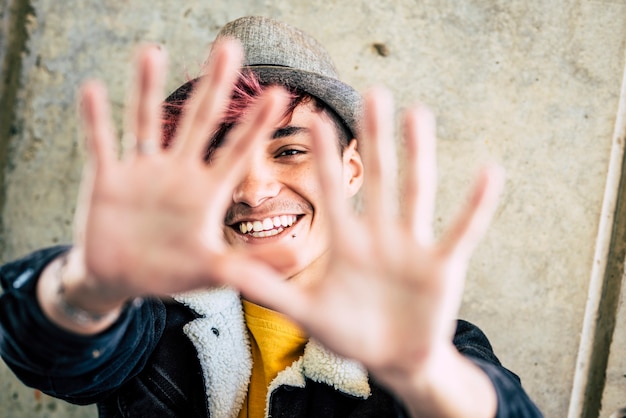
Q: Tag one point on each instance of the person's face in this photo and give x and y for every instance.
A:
(279, 200)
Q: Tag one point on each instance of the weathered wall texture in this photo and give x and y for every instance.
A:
(532, 84)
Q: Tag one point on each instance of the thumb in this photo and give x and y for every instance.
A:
(262, 282)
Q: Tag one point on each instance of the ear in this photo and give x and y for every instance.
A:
(352, 169)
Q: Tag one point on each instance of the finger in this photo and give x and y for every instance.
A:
(205, 108)
(335, 203)
(237, 149)
(379, 157)
(101, 149)
(144, 116)
(472, 224)
(260, 284)
(420, 180)
(97, 126)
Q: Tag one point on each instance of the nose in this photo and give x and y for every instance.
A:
(258, 185)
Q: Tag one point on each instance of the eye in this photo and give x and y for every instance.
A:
(289, 152)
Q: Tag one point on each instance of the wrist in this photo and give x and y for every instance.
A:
(446, 384)
(71, 309)
(73, 300)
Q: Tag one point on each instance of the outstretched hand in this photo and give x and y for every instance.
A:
(391, 293)
(151, 222)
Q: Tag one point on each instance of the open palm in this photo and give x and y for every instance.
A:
(391, 292)
(151, 222)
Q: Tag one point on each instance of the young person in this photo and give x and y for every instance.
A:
(168, 301)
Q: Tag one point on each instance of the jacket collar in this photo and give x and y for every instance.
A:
(221, 340)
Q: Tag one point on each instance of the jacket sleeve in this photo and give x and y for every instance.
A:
(513, 402)
(78, 369)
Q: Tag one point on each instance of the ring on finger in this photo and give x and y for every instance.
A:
(147, 147)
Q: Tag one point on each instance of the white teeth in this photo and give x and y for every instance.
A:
(269, 233)
(268, 226)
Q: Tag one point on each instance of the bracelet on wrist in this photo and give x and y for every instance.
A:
(77, 314)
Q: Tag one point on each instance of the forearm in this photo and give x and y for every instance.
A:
(447, 385)
(77, 368)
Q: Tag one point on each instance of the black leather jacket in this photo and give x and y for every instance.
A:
(189, 357)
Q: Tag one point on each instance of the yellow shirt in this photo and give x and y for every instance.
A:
(276, 342)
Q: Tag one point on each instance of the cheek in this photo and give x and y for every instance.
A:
(304, 182)
(304, 185)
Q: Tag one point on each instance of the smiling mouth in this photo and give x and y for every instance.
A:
(267, 227)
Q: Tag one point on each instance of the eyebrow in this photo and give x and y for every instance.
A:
(287, 131)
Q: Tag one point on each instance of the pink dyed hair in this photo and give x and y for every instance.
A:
(245, 92)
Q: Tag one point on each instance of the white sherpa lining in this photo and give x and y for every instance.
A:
(324, 366)
(227, 364)
(221, 339)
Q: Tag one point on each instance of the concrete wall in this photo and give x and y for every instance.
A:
(533, 84)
